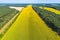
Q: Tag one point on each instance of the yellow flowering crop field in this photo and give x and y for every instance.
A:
(51, 9)
(29, 26)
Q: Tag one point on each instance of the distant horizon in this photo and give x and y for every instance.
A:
(29, 1)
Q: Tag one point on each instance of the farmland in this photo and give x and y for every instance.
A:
(50, 18)
(29, 26)
(51, 9)
(6, 14)
(34, 22)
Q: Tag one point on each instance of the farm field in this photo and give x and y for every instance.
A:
(30, 22)
(31, 27)
(51, 18)
(51, 9)
(54, 6)
(6, 14)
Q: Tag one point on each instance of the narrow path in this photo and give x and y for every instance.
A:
(7, 24)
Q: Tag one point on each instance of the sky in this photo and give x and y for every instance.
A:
(29, 1)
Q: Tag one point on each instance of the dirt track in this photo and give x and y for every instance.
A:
(7, 24)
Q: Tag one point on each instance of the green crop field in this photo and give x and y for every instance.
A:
(6, 14)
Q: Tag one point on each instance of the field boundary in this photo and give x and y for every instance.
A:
(7, 24)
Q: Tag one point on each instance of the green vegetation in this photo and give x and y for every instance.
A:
(6, 14)
(50, 18)
(4, 10)
(55, 7)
